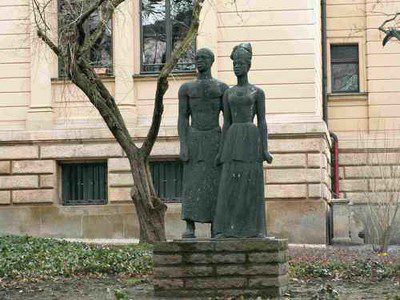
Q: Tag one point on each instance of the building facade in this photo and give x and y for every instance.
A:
(321, 65)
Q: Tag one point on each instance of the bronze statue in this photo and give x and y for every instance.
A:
(200, 104)
(240, 210)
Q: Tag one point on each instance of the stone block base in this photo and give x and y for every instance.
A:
(90, 222)
(301, 222)
(221, 268)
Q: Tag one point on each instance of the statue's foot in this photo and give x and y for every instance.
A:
(190, 229)
(188, 235)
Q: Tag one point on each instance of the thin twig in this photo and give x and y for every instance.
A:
(381, 28)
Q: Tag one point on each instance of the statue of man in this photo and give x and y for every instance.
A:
(200, 104)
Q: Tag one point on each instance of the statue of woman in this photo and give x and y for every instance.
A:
(240, 210)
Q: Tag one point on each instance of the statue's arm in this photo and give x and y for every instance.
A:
(262, 125)
(183, 122)
(225, 127)
(224, 88)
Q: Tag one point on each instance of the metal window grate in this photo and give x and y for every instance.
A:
(167, 179)
(84, 183)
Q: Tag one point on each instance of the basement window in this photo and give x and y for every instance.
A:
(84, 183)
(167, 179)
(345, 69)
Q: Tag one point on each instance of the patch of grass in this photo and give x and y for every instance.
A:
(121, 294)
(344, 269)
(135, 281)
(27, 258)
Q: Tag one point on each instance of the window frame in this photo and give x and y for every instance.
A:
(82, 162)
(109, 70)
(344, 61)
(169, 50)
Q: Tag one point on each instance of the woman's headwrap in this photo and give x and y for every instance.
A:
(243, 49)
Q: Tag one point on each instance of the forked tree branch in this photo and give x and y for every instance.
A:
(79, 65)
(39, 13)
(49, 42)
(87, 80)
(101, 29)
(382, 27)
(95, 6)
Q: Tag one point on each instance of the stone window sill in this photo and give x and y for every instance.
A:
(348, 97)
(154, 76)
(62, 80)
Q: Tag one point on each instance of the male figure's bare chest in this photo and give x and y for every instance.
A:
(205, 97)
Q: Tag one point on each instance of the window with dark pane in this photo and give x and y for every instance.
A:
(345, 69)
(167, 179)
(100, 55)
(165, 24)
(84, 183)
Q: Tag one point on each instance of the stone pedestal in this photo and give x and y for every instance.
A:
(341, 222)
(221, 268)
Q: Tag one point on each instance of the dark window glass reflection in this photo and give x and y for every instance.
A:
(164, 26)
(101, 52)
(345, 69)
(100, 55)
(154, 42)
(181, 15)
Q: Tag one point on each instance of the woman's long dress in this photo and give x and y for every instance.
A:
(240, 210)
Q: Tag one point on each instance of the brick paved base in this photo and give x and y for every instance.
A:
(221, 267)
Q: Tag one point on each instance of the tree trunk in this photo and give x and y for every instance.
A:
(150, 209)
(74, 50)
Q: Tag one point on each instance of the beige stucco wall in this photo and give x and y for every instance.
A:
(367, 124)
(14, 64)
(377, 107)
(287, 64)
(374, 113)
(46, 120)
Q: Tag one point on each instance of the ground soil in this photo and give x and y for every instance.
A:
(109, 288)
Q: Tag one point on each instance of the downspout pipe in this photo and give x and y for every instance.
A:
(335, 166)
(334, 138)
(335, 145)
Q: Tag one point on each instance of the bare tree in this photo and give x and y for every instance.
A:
(380, 172)
(72, 48)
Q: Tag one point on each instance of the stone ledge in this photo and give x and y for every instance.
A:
(87, 150)
(279, 127)
(222, 245)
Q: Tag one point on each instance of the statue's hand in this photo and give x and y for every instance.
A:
(184, 153)
(268, 157)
